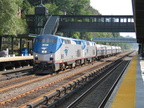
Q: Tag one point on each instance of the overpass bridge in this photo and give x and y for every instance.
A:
(115, 40)
(96, 23)
(81, 23)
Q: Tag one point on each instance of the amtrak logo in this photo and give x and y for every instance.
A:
(87, 50)
(83, 46)
(44, 48)
(66, 51)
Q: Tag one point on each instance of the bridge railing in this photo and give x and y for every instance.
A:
(96, 18)
(91, 23)
(117, 40)
(96, 23)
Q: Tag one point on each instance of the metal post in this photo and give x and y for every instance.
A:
(1, 42)
(139, 50)
(28, 48)
(119, 21)
(12, 45)
(32, 47)
(20, 46)
(142, 50)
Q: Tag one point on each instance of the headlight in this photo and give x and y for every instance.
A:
(44, 51)
(36, 55)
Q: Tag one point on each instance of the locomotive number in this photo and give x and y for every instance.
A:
(45, 45)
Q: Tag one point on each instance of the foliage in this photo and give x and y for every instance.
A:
(26, 8)
(10, 23)
(53, 9)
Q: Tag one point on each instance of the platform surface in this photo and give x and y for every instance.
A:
(15, 58)
(129, 92)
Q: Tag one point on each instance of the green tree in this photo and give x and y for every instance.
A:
(10, 23)
(26, 8)
(53, 9)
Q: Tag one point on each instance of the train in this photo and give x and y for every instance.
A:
(52, 53)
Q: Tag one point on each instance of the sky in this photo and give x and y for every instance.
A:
(114, 7)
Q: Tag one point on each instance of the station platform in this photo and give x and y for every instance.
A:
(15, 58)
(129, 92)
(7, 63)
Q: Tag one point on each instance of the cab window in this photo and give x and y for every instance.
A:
(46, 40)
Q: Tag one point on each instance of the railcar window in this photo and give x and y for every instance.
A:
(67, 42)
(87, 43)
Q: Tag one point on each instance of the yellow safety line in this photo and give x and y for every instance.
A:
(126, 94)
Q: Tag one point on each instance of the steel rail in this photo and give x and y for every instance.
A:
(40, 99)
(23, 83)
(16, 80)
(16, 74)
(11, 99)
(74, 103)
(28, 92)
(113, 86)
(11, 71)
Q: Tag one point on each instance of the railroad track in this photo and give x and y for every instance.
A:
(96, 92)
(15, 73)
(43, 85)
(100, 91)
(52, 81)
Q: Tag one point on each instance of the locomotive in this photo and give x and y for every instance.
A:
(52, 53)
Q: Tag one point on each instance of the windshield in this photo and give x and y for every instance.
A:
(45, 40)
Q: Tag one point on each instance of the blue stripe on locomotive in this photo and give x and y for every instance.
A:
(50, 47)
(83, 45)
(81, 42)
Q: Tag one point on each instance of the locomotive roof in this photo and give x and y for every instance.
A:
(56, 36)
